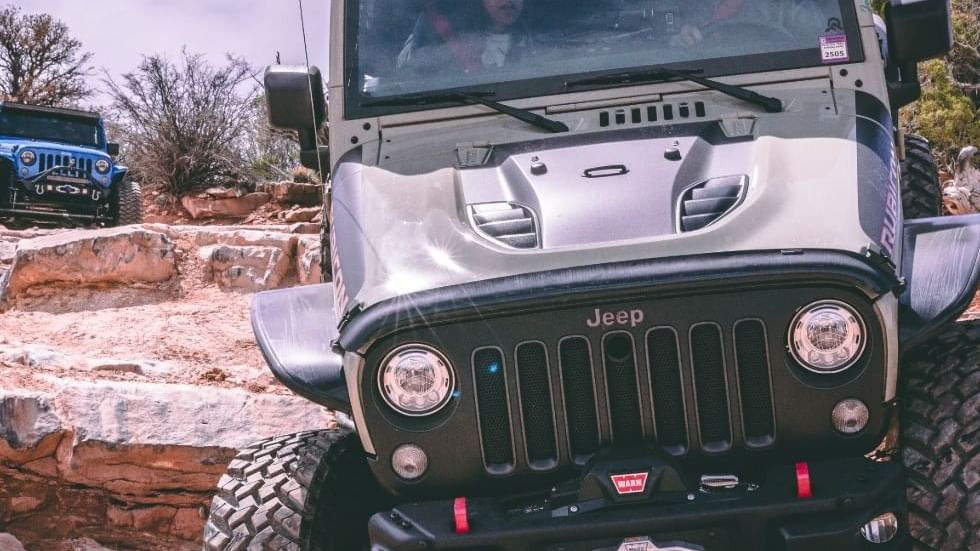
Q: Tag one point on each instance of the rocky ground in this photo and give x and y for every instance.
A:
(129, 376)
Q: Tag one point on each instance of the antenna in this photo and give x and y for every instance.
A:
(306, 52)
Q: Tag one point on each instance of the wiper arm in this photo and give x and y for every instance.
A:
(479, 97)
(769, 103)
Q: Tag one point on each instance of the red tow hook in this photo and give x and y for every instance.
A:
(803, 490)
(461, 515)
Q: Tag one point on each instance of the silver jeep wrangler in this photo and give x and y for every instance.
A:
(621, 275)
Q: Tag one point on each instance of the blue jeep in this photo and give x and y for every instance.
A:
(56, 167)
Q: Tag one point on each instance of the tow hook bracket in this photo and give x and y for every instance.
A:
(714, 482)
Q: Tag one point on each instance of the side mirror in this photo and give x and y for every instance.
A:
(296, 101)
(112, 149)
(918, 29)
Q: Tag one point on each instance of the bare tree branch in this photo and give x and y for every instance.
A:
(40, 62)
(187, 124)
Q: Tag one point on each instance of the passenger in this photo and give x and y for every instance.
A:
(493, 37)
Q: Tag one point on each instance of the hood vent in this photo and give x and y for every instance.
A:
(706, 202)
(506, 223)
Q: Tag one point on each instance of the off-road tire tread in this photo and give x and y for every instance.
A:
(266, 499)
(941, 439)
(921, 192)
(128, 203)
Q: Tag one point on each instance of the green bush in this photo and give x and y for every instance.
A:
(948, 114)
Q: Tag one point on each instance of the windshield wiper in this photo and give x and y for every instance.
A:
(471, 97)
(769, 103)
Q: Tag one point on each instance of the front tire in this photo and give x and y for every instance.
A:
(127, 203)
(941, 440)
(922, 195)
(311, 491)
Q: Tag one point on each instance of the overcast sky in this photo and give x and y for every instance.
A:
(119, 32)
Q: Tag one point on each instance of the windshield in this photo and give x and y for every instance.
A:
(521, 48)
(37, 126)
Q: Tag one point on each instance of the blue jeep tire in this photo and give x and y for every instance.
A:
(127, 204)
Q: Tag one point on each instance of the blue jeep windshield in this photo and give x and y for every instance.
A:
(520, 48)
(37, 126)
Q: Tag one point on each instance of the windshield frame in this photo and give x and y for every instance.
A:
(99, 142)
(354, 99)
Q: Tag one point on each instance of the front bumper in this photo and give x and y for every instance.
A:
(847, 493)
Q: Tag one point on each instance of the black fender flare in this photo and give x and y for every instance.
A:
(941, 265)
(295, 328)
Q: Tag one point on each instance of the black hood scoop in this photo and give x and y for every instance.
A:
(705, 203)
(506, 223)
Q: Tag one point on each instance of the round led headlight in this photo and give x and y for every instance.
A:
(827, 337)
(102, 166)
(27, 157)
(416, 380)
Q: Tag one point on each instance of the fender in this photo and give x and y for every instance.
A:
(118, 174)
(295, 329)
(941, 264)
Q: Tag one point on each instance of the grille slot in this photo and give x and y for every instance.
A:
(621, 384)
(755, 392)
(668, 392)
(506, 223)
(491, 391)
(705, 203)
(575, 356)
(536, 404)
(711, 390)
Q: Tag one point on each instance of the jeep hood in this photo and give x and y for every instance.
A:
(813, 182)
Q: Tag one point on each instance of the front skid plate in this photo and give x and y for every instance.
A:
(846, 494)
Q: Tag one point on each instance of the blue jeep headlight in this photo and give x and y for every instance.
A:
(102, 166)
(28, 157)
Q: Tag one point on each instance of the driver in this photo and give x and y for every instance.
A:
(799, 18)
(491, 38)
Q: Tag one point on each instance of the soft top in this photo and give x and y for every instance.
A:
(58, 111)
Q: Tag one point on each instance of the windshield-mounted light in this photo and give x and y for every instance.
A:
(28, 157)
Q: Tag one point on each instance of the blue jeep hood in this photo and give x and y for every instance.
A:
(13, 144)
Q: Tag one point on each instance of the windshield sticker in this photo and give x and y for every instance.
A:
(833, 48)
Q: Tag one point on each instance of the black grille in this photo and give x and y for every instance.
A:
(669, 366)
(81, 169)
(624, 400)
(491, 389)
(536, 407)
(707, 357)
(753, 379)
(575, 360)
(665, 377)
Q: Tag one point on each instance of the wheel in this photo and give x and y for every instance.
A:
(127, 204)
(311, 491)
(941, 440)
(921, 193)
